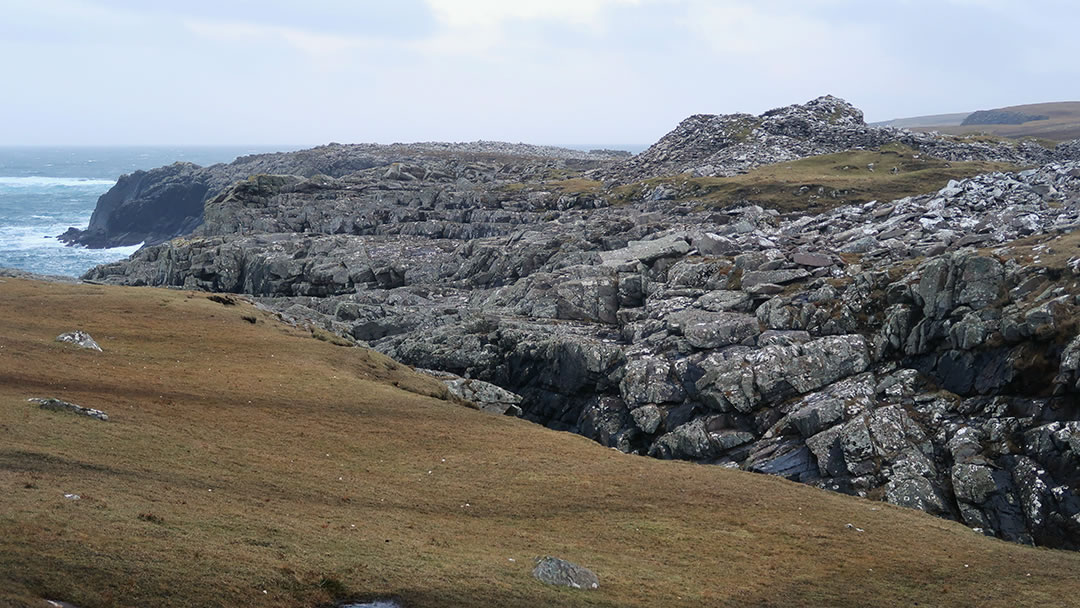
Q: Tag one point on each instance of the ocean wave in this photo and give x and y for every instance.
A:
(38, 236)
(46, 255)
(43, 236)
(37, 181)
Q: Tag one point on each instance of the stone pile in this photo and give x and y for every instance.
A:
(726, 145)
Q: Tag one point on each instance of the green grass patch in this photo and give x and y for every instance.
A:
(819, 183)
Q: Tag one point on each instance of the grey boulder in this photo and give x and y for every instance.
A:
(555, 571)
(79, 338)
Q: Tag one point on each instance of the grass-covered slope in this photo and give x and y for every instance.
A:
(247, 464)
(819, 183)
(1062, 123)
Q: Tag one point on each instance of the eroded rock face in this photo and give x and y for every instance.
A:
(936, 368)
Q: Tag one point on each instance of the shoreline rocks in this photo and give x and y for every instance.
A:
(885, 350)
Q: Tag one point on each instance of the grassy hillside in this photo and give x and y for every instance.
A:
(247, 464)
(822, 182)
(922, 121)
(1063, 124)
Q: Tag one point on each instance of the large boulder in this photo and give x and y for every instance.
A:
(555, 571)
(708, 330)
(774, 373)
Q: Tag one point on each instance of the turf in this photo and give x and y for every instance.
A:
(249, 464)
(819, 183)
(1062, 124)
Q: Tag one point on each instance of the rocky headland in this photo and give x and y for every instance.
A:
(922, 350)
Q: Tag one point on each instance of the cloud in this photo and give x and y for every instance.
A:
(786, 40)
(487, 13)
(322, 47)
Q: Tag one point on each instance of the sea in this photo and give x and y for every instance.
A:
(44, 191)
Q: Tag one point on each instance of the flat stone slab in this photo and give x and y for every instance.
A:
(725, 301)
(646, 251)
(764, 289)
(555, 571)
(814, 260)
(776, 277)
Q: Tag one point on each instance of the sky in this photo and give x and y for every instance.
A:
(204, 72)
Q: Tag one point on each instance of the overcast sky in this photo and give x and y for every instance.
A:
(539, 71)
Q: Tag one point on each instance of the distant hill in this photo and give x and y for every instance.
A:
(1062, 122)
(924, 121)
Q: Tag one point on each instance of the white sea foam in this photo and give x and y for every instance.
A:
(43, 236)
(55, 182)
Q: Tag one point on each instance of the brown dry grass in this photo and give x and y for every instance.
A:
(243, 458)
(1050, 251)
(1063, 123)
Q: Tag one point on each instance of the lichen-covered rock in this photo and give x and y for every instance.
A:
(57, 405)
(774, 373)
(484, 395)
(555, 571)
(79, 338)
(648, 418)
(708, 330)
(649, 381)
(960, 280)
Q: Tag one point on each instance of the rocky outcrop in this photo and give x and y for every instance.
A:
(154, 206)
(922, 351)
(146, 206)
(729, 144)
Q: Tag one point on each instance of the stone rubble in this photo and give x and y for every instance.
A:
(706, 145)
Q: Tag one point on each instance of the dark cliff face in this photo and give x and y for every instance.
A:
(146, 206)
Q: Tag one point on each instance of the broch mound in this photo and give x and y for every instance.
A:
(923, 351)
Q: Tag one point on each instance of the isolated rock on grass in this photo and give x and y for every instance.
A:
(555, 571)
(57, 405)
(485, 395)
(79, 338)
